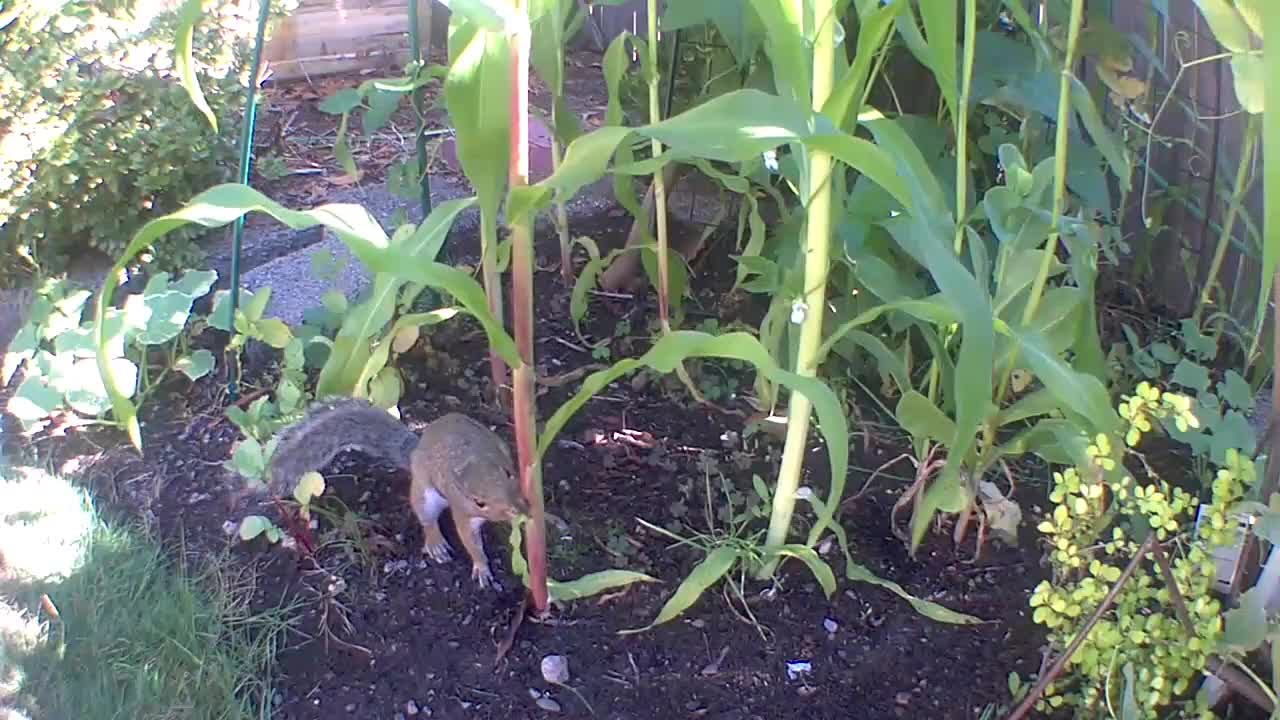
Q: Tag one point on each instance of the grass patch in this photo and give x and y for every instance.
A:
(126, 633)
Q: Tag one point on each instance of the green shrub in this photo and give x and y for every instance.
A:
(96, 134)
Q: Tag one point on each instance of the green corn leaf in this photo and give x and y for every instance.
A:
(183, 62)
(1270, 173)
(874, 26)
(348, 367)
(352, 224)
(1081, 392)
(923, 420)
(820, 569)
(733, 127)
(714, 566)
(594, 584)
(477, 92)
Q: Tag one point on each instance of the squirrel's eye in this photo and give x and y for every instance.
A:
(479, 503)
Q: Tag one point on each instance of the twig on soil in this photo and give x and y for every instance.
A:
(509, 639)
(571, 376)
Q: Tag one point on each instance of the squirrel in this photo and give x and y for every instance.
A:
(457, 463)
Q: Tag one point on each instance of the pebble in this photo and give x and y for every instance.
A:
(351, 707)
(830, 625)
(555, 669)
(411, 708)
(547, 703)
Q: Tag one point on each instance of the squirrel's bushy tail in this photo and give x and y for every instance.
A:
(330, 428)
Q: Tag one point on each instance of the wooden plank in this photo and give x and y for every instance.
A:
(324, 37)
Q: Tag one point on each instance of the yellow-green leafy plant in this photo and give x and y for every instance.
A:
(1138, 655)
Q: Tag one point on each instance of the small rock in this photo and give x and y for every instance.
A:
(555, 669)
(830, 625)
(902, 698)
(411, 708)
(546, 702)
(351, 707)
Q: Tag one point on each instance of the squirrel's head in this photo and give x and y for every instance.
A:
(491, 490)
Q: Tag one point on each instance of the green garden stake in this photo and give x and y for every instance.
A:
(246, 160)
(418, 55)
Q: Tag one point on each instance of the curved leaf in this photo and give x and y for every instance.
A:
(820, 569)
(594, 584)
(714, 566)
(352, 224)
(183, 62)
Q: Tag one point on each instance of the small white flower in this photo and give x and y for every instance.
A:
(798, 311)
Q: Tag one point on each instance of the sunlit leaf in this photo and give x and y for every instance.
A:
(714, 566)
(183, 62)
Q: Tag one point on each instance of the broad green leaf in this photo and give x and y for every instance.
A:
(941, 29)
(382, 103)
(734, 127)
(1249, 75)
(923, 420)
(1235, 390)
(352, 224)
(676, 347)
(1191, 375)
(714, 566)
(594, 584)
(1079, 391)
(874, 25)
(183, 63)
(249, 459)
(480, 80)
(496, 16)
(34, 401)
(789, 55)
(341, 102)
(196, 365)
(546, 42)
(1033, 404)
(1245, 626)
(83, 387)
(167, 305)
(887, 361)
(347, 371)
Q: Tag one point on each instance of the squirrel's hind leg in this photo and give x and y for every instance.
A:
(428, 507)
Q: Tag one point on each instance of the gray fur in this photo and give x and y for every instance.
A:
(330, 428)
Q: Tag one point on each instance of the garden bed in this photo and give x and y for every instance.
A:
(380, 632)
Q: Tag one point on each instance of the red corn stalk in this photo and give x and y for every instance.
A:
(524, 410)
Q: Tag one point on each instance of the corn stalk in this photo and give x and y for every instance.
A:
(523, 408)
(816, 264)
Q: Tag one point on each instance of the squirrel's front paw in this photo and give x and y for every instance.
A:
(437, 551)
(484, 576)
